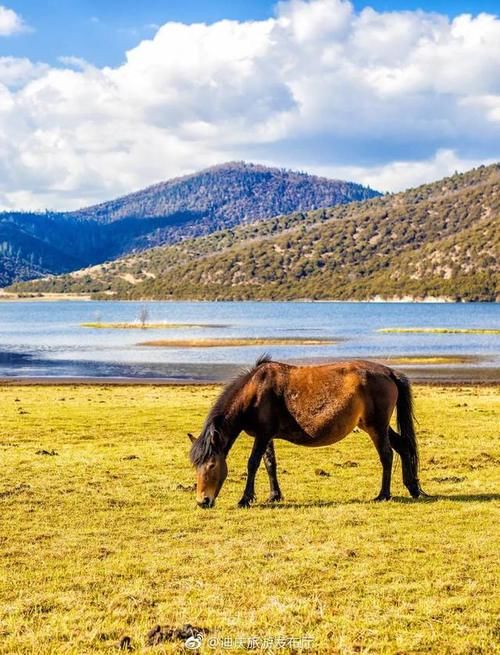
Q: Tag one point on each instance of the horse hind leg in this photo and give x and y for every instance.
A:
(271, 468)
(409, 479)
(380, 438)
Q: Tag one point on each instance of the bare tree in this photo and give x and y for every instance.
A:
(143, 316)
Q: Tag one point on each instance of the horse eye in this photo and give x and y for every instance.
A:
(211, 465)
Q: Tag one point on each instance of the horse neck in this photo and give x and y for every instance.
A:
(232, 430)
(232, 425)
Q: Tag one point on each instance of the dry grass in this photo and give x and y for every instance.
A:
(424, 330)
(231, 342)
(101, 538)
(148, 326)
(433, 359)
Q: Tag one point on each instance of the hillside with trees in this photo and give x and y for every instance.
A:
(440, 240)
(34, 244)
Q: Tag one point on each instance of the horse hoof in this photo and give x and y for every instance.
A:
(381, 497)
(416, 491)
(274, 498)
(245, 502)
(421, 494)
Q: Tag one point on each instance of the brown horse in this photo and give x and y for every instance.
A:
(308, 406)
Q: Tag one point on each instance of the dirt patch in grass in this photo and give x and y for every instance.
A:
(160, 634)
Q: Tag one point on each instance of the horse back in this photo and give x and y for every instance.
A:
(328, 401)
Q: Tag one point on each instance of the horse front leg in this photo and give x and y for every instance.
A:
(258, 450)
(271, 468)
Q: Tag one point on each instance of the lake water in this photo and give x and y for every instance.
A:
(46, 339)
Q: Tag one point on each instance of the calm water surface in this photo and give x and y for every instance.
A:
(46, 339)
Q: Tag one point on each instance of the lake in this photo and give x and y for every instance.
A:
(46, 339)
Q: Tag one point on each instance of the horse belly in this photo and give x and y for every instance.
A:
(331, 432)
(321, 428)
(323, 425)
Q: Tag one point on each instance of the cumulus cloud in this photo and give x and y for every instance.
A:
(10, 22)
(17, 71)
(387, 98)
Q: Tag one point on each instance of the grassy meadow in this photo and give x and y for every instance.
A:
(100, 537)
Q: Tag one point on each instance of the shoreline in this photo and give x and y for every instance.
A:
(6, 296)
(452, 370)
(46, 381)
(416, 380)
(54, 297)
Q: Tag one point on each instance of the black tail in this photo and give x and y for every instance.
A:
(406, 428)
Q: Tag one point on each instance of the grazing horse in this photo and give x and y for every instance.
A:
(308, 406)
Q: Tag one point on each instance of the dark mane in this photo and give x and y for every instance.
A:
(212, 440)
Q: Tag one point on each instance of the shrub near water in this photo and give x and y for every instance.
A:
(101, 539)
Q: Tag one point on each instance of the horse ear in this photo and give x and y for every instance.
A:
(192, 438)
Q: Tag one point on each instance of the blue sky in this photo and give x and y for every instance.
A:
(99, 98)
(101, 31)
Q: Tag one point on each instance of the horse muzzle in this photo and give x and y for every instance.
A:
(206, 503)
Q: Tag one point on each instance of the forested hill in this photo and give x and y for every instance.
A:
(230, 194)
(440, 239)
(224, 196)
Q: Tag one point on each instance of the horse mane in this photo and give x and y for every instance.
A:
(212, 440)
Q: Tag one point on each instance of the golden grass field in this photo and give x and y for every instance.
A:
(101, 539)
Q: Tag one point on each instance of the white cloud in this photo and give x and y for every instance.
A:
(10, 22)
(390, 99)
(16, 71)
(74, 62)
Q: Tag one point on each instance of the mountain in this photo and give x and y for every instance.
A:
(32, 245)
(440, 240)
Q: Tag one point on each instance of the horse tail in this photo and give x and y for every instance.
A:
(406, 426)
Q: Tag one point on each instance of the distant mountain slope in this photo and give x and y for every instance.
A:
(32, 245)
(441, 239)
(231, 193)
(220, 197)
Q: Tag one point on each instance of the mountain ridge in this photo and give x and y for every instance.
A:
(226, 167)
(438, 240)
(200, 203)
